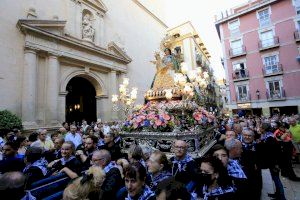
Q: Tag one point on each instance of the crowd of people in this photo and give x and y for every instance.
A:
(91, 156)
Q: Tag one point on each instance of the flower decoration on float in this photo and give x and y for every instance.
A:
(126, 100)
(163, 117)
(187, 81)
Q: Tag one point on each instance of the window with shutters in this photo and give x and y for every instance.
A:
(267, 39)
(264, 18)
(234, 27)
(271, 64)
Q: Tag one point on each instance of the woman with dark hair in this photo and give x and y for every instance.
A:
(135, 154)
(284, 138)
(217, 185)
(22, 142)
(36, 165)
(68, 163)
(135, 176)
(32, 138)
(170, 189)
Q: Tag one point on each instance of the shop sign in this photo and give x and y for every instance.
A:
(244, 105)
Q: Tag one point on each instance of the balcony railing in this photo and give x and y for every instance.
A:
(276, 95)
(242, 98)
(297, 36)
(272, 70)
(240, 75)
(239, 51)
(268, 43)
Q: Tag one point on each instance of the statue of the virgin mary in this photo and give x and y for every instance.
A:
(166, 67)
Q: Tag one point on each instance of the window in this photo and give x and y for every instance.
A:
(242, 93)
(234, 27)
(264, 18)
(236, 47)
(275, 89)
(271, 64)
(298, 25)
(267, 39)
(297, 6)
(239, 70)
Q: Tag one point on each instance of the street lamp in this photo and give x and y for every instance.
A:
(125, 101)
(257, 93)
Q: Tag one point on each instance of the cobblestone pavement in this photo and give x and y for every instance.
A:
(291, 188)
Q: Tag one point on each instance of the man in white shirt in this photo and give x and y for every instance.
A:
(73, 136)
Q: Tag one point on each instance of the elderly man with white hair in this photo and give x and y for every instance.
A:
(234, 146)
(113, 180)
(250, 164)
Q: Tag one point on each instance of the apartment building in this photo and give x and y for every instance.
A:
(261, 41)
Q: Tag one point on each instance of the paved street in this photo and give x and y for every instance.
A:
(292, 189)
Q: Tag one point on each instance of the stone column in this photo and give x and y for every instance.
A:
(114, 90)
(62, 106)
(103, 111)
(52, 90)
(29, 89)
(101, 31)
(78, 23)
(97, 30)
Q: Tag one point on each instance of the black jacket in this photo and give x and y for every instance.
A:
(112, 183)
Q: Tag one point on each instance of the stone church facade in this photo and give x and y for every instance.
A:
(45, 44)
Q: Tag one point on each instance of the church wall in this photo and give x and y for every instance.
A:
(140, 35)
(125, 23)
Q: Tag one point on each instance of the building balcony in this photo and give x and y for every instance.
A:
(240, 75)
(268, 43)
(236, 52)
(297, 36)
(243, 98)
(276, 95)
(272, 70)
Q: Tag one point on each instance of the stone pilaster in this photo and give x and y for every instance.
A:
(78, 17)
(29, 89)
(52, 90)
(103, 112)
(114, 90)
(98, 28)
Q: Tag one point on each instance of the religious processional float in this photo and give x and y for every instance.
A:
(174, 109)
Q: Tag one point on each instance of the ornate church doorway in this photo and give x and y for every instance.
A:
(80, 100)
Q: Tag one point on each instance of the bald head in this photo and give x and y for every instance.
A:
(180, 148)
(62, 130)
(10, 180)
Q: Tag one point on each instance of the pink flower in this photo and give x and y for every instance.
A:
(158, 122)
(135, 125)
(197, 116)
(166, 116)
